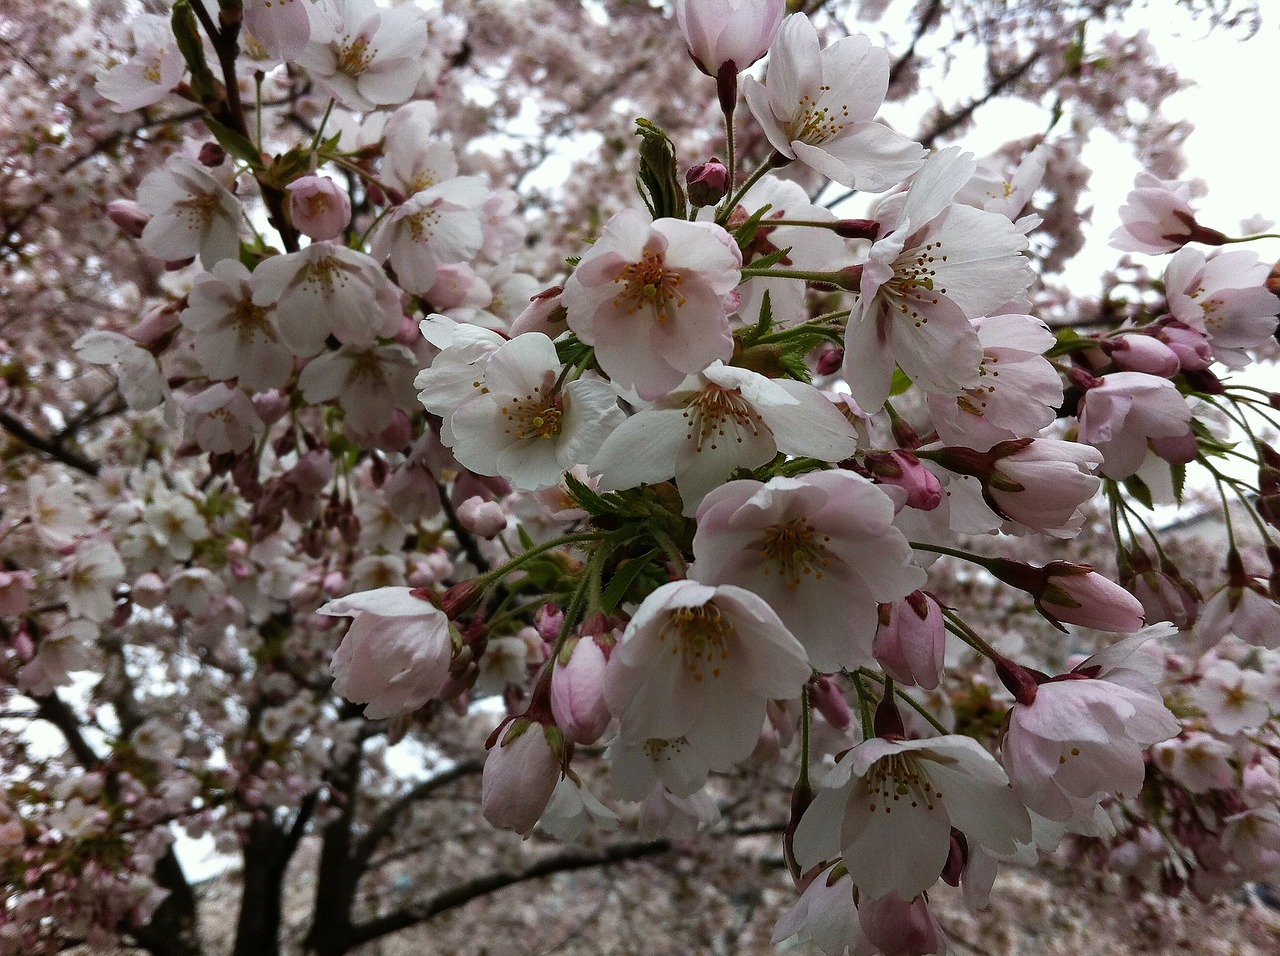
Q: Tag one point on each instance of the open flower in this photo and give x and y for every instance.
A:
(192, 214)
(892, 806)
(801, 544)
(648, 296)
(234, 336)
(720, 651)
(818, 107)
(732, 33)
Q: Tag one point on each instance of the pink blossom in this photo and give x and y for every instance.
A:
(1076, 594)
(1244, 610)
(826, 916)
(369, 383)
(142, 385)
(1198, 761)
(898, 927)
(728, 33)
(1143, 353)
(283, 27)
(439, 224)
(889, 807)
(520, 774)
(222, 419)
(911, 641)
(801, 544)
(1225, 296)
(15, 592)
(148, 76)
(648, 296)
(1119, 415)
(485, 518)
(1044, 485)
(902, 469)
(721, 651)
(366, 55)
(319, 207)
(192, 214)
(663, 815)
(1157, 218)
(1084, 734)
(818, 107)
(235, 338)
(395, 656)
(577, 690)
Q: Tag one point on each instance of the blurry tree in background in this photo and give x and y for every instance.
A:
(320, 310)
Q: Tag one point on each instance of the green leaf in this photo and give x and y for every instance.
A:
(1179, 474)
(1139, 492)
(234, 143)
(623, 578)
(659, 178)
(745, 234)
(526, 542)
(901, 382)
(770, 259)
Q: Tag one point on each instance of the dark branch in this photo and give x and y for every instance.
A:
(386, 821)
(46, 446)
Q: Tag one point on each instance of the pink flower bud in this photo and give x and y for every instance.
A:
(148, 591)
(830, 361)
(732, 33)
(912, 640)
(830, 702)
(157, 322)
(485, 518)
(903, 469)
(129, 216)
(212, 154)
(900, 928)
(577, 691)
(520, 774)
(1190, 345)
(1144, 353)
(271, 406)
(1079, 595)
(707, 182)
(319, 207)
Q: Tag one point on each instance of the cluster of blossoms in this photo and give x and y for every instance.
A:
(698, 500)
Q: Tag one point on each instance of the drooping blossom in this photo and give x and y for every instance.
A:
(648, 296)
(91, 575)
(719, 420)
(1044, 485)
(520, 774)
(395, 655)
(889, 806)
(192, 214)
(142, 384)
(235, 338)
(721, 651)
(818, 106)
(526, 426)
(670, 764)
(941, 266)
(826, 916)
(728, 33)
(911, 641)
(1083, 735)
(1124, 411)
(801, 544)
(222, 419)
(370, 383)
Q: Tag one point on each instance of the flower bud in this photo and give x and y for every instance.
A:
(212, 154)
(319, 207)
(577, 691)
(1143, 353)
(707, 183)
(912, 640)
(520, 774)
(830, 702)
(129, 216)
(728, 33)
(484, 518)
(903, 469)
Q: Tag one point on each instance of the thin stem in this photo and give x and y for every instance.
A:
(910, 701)
(315, 140)
(730, 204)
(864, 707)
(971, 637)
(806, 721)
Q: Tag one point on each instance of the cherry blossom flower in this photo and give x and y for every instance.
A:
(62, 650)
(1018, 390)
(663, 815)
(395, 655)
(366, 55)
(826, 916)
(732, 33)
(1126, 409)
(721, 651)
(235, 338)
(319, 207)
(942, 265)
(577, 690)
(889, 807)
(1044, 485)
(911, 641)
(141, 382)
(328, 289)
(648, 296)
(283, 27)
(369, 383)
(1233, 699)
(1225, 296)
(148, 76)
(670, 764)
(722, 419)
(1244, 610)
(1157, 218)
(523, 425)
(91, 576)
(572, 808)
(1082, 736)
(439, 224)
(801, 544)
(818, 107)
(222, 419)
(192, 214)
(520, 774)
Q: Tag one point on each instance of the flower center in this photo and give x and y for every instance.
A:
(355, 56)
(649, 284)
(817, 122)
(797, 550)
(537, 415)
(717, 411)
(702, 636)
(899, 777)
(914, 280)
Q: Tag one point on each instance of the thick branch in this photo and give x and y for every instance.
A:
(998, 86)
(483, 886)
(47, 446)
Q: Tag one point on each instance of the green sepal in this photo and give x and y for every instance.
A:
(186, 30)
(659, 177)
(623, 578)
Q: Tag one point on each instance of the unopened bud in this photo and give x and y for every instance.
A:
(858, 229)
(212, 154)
(707, 183)
(129, 216)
